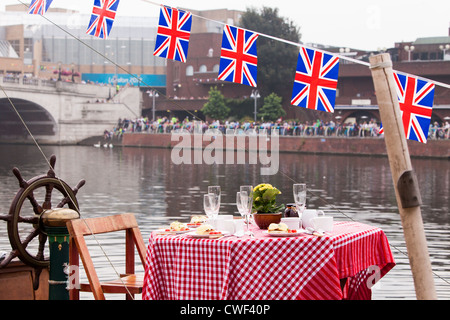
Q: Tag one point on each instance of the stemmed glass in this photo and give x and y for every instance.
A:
(246, 200)
(300, 198)
(214, 194)
(208, 205)
(240, 207)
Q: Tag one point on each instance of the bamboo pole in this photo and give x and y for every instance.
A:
(400, 163)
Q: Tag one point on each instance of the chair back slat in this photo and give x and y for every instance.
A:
(82, 227)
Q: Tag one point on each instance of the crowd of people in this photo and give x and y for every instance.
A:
(285, 128)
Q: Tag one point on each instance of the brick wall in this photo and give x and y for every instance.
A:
(314, 145)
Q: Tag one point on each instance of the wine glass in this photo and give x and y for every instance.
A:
(300, 198)
(246, 196)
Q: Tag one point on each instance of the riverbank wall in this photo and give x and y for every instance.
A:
(439, 149)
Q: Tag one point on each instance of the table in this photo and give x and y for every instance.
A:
(268, 268)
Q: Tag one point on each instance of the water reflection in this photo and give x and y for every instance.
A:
(147, 183)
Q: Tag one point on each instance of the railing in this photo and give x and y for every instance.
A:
(27, 81)
(346, 131)
(9, 79)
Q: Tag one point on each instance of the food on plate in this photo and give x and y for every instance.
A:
(177, 226)
(280, 228)
(204, 229)
(207, 229)
(197, 220)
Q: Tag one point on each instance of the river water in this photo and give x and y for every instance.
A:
(146, 182)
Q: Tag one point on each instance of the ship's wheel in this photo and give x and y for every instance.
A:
(26, 234)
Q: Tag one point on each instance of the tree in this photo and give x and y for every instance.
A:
(272, 108)
(216, 107)
(277, 60)
(240, 108)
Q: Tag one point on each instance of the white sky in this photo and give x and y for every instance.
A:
(357, 24)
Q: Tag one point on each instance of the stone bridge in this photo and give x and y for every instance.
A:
(62, 112)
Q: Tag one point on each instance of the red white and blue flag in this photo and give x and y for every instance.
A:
(39, 6)
(315, 80)
(174, 30)
(415, 97)
(238, 57)
(102, 18)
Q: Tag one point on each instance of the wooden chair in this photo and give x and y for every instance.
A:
(129, 284)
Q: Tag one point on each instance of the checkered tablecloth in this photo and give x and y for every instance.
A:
(268, 268)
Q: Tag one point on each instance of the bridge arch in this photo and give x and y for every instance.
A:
(37, 118)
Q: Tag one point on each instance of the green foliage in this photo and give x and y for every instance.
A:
(276, 60)
(272, 108)
(240, 108)
(264, 199)
(216, 108)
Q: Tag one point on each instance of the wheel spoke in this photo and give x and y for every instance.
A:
(36, 207)
(30, 237)
(67, 199)
(31, 220)
(48, 196)
(42, 240)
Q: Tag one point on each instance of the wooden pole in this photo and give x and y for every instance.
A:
(400, 163)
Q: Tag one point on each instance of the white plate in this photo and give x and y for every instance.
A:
(285, 234)
(173, 232)
(207, 236)
(190, 226)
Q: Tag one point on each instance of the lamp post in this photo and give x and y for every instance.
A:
(59, 71)
(409, 49)
(73, 71)
(255, 95)
(110, 58)
(444, 48)
(154, 94)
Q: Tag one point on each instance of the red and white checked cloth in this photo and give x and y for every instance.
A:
(267, 268)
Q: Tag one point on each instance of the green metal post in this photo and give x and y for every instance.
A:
(59, 258)
(54, 224)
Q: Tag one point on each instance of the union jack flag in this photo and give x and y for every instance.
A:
(238, 60)
(102, 18)
(415, 97)
(315, 80)
(39, 6)
(174, 30)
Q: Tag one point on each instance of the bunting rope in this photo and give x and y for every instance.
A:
(269, 36)
(343, 57)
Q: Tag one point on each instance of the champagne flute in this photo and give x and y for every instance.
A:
(246, 193)
(214, 193)
(239, 204)
(299, 190)
(207, 205)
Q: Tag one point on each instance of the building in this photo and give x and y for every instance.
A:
(58, 45)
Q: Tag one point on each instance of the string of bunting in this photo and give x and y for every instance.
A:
(316, 74)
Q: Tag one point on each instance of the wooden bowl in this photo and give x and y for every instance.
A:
(263, 220)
